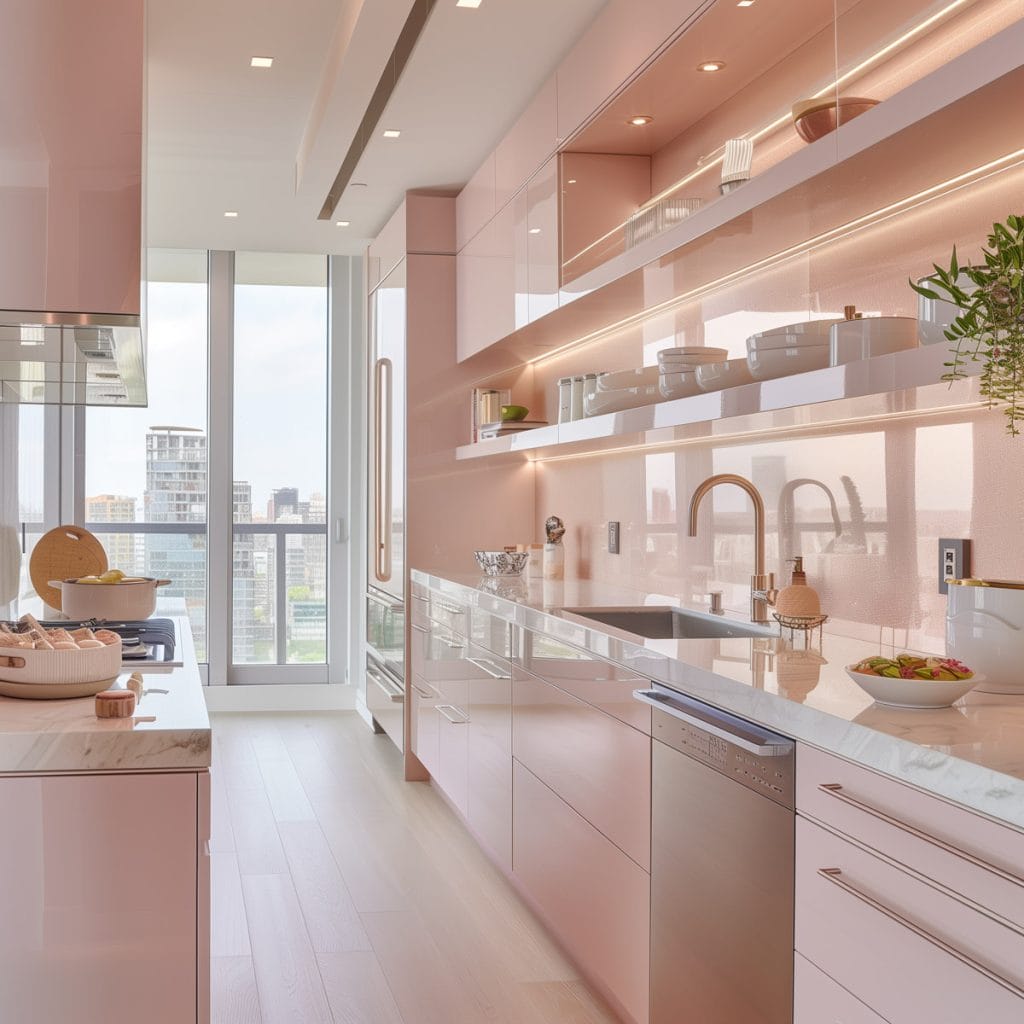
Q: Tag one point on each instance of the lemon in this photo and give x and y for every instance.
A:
(112, 576)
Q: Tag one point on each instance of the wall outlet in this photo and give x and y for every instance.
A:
(954, 561)
(613, 537)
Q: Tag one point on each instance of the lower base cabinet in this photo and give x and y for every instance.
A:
(817, 999)
(594, 897)
(105, 895)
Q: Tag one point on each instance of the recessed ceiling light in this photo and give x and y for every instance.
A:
(468, 3)
(534, 231)
(745, 3)
(391, 133)
(261, 62)
(639, 120)
(711, 65)
(571, 181)
(343, 223)
(230, 213)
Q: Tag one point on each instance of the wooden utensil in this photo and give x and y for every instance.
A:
(66, 552)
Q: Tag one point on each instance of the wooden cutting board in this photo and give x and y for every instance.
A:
(64, 553)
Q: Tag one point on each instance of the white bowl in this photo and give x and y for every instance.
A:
(695, 354)
(813, 332)
(679, 385)
(600, 402)
(851, 340)
(913, 693)
(781, 362)
(718, 376)
(645, 376)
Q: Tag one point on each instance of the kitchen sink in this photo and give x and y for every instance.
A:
(668, 623)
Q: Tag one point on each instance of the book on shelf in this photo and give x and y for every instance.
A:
(503, 429)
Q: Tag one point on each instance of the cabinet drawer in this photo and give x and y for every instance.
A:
(489, 796)
(906, 948)
(425, 723)
(446, 612)
(817, 999)
(591, 894)
(597, 764)
(600, 683)
(419, 610)
(490, 632)
(452, 773)
(963, 851)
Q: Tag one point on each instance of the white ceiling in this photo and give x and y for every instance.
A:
(268, 143)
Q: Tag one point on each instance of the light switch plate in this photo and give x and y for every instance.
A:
(613, 537)
(954, 561)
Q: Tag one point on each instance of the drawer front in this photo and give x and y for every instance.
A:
(597, 764)
(600, 683)
(490, 632)
(817, 999)
(594, 897)
(425, 723)
(419, 610)
(489, 787)
(452, 773)
(447, 612)
(902, 946)
(963, 851)
(444, 654)
(385, 700)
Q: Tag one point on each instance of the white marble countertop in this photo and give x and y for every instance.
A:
(170, 728)
(972, 753)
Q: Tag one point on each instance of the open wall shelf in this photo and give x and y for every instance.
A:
(903, 383)
(908, 148)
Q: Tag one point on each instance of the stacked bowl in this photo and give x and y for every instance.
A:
(677, 369)
(795, 348)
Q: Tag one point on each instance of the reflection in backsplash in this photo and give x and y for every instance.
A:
(864, 507)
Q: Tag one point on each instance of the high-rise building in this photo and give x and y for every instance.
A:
(115, 508)
(283, 501)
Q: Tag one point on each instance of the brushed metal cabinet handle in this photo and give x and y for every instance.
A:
(835, 876)
(835, 790)
(489, 667)
(461, 719)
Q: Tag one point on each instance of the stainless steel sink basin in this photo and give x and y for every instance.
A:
(668, 623)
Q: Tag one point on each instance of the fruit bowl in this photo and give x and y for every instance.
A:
(502, 563)
(913, 687)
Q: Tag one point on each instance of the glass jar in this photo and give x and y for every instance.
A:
(564, 399)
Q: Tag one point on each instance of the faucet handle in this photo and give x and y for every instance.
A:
(716, 602)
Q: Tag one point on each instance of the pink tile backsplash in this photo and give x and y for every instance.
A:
(897, 487)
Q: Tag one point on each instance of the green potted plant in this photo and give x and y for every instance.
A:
(990, 327)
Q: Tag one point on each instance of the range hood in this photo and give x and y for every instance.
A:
(71, 359)
(71, 144)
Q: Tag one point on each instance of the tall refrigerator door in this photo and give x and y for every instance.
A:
(386, 547)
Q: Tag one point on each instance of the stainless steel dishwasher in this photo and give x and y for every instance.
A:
(722, 833)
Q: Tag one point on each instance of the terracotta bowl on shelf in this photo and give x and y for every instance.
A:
(814, 119)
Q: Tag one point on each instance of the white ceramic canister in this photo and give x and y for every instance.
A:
(576, 393)
(985, 630)
(564, 399)
(554, 561)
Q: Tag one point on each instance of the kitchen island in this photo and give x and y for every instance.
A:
(105, 880)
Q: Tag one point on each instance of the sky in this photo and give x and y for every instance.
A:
(279, 397)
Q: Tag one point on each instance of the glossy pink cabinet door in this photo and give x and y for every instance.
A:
(485, 288)
(71, 76)
(529, 142)
(595, 899)
(542, 196)
(99, 890)
(817, 999)
(598, 765)
(474, 205)
(425, 724)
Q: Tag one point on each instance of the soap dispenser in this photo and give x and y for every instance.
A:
(798, 600)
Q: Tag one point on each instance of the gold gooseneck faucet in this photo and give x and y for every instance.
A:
(761, 583)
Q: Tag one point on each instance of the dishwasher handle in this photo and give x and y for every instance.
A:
(706, 718)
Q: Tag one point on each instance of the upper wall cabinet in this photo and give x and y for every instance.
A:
(529, 143)
(475, 204)
(71, 77)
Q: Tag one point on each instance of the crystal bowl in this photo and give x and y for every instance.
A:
(502, 563)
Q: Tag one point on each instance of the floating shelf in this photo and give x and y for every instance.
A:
(819, 192)
(903, 383)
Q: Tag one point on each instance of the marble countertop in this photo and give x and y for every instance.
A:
(170, 728)
(972, 753)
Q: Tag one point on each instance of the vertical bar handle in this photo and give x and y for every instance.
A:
(382, 470)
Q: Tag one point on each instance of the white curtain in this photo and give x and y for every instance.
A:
(10, 545)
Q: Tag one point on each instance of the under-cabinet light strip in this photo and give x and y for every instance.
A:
(976, 174)
(717, 157)
(764, 433)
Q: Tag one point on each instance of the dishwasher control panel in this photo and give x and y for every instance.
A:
(771, 774)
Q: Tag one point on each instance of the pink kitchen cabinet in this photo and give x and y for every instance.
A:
(598, 765)
(105, 882)
(485, 286)
(594, 897)
(542, 241)
(817, 999)
(475, 204)
(529, 143)
(71, 196)
(426, 724)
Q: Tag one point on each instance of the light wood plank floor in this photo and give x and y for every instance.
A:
(342, 894)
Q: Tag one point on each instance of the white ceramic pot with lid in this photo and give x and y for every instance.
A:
(985, 630)
(128, 600)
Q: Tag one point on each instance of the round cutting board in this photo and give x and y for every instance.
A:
(62, 554)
